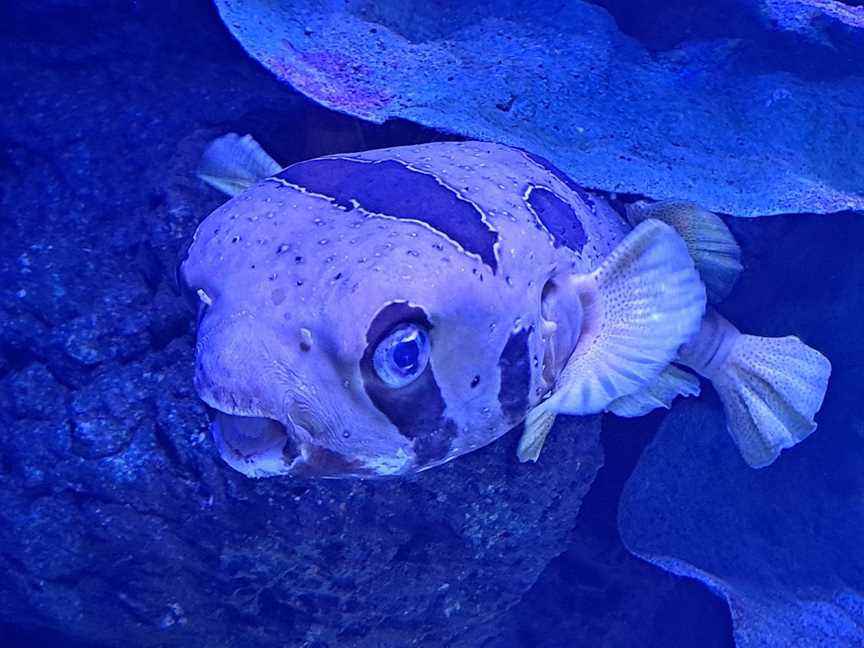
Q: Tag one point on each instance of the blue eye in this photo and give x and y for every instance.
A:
(401, 357)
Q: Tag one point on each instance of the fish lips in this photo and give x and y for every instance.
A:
(256, 446)
(264, 447)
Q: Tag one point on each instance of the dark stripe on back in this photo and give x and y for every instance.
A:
(559, 218)
(515, 365)
(546, 165)
(417, 410)
(389, 187)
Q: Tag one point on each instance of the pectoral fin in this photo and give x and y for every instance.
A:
(638, 308)
(712, 246)
(232, 163)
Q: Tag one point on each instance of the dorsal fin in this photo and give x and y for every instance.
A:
(709, 241)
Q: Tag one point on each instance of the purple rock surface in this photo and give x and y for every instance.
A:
(785, 544)
(812, 17)
(733, 121)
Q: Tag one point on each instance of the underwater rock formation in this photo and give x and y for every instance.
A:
(117, 507)
(723, 113)
(814, 17)
(782, 544)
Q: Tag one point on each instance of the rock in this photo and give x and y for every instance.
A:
(813, 17)
(776, 118)
(783, 545)
(32, 393)
(171, 545)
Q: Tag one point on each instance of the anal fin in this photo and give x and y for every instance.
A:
(232, 163)
(537, 426)
(671, 383)
(712, 246)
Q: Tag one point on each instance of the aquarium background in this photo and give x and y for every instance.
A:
(119, 524)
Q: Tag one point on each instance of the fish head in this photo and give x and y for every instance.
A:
(375, 352)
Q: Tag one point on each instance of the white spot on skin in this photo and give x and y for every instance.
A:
(204, 297)
(388, 465)
(305, 339)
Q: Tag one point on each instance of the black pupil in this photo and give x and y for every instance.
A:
(406, 354)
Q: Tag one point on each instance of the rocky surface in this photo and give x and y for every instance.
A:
(747, 107)
(785, 544)
(116, 507)
(119, 525)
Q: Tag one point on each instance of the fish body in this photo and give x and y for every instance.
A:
(384, 312)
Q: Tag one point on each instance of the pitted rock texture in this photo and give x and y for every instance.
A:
(724, 103)
(117, 507)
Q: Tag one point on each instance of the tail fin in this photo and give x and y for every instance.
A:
(771, 388)
(232, 163)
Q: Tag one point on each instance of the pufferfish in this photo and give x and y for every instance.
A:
(380, 313)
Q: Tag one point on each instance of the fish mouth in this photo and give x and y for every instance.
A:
(257, 446)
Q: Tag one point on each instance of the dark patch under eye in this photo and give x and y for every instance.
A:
(417, 410)
(515, 366)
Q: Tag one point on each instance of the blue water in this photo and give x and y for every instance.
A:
(120, 525)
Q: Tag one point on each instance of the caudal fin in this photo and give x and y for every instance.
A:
(771, 389)
(232, 163)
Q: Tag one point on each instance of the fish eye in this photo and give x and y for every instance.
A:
(401, 357)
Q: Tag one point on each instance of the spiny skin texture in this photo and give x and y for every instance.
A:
(306, 270)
